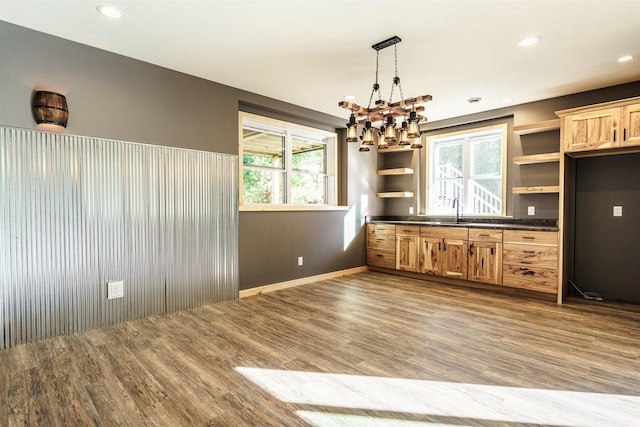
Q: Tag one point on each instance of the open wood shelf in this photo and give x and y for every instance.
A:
(543, 126)
(396, 171)
(537, 190)
(536, 158)
(397, 194)
(396, 149)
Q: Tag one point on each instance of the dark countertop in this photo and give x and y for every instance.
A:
(527, 224)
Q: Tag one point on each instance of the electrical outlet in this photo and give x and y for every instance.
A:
(115, 289)
(411, 210)
(531, 210)
(617, 211)
(300, 260)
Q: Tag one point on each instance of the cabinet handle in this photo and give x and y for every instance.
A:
(492, 251)
(380, 240)
(528, 252)
(445, 246)
(614, 135)
(528, 237)
(624, 134)
(438, 245)
(484, 235)
(379, 255)
(471, 249)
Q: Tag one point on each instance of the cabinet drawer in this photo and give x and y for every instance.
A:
(409, 230)
(460, 233)
(534, 279)
(485, 235)
(376, 229)
(532, 255)
(531, 237)
(381, 242)
(381, 258)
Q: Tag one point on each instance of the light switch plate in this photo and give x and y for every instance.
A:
(617, 211)
(300, 260)
(115, 289)
(531, 210)
(411, 210)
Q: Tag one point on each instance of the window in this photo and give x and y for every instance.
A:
(284, 164)
(468, 166)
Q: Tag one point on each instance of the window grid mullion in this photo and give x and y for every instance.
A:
(288, 165)
(466, 173)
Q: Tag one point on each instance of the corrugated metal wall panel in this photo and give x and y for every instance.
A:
(77, 212)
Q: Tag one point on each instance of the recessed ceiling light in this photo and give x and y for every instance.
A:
(109, 11)
(625, 58)
(349, 98)
(528, 41)
(474, 100)
(507, 100)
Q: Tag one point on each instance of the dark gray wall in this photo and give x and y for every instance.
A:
(606, 247)
(115, 97)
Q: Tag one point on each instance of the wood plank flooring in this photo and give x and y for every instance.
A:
(368, 336)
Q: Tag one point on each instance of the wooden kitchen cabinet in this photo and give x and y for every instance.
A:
(591, 130)
(530, 260)
(381, 245)
(454, 260)
(407, 241)
(430, 255)
(603, 126)
(443, 251)
(485, 256)
(630, 119)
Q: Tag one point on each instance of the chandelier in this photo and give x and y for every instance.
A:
(388, 133)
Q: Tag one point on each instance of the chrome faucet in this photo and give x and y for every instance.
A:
(456, 204)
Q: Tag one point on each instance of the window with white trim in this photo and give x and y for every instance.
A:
(470, 167)
(286, 164)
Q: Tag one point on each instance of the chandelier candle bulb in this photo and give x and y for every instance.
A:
(390, 131)
(352, 129)
(404, 137)
(367, 137)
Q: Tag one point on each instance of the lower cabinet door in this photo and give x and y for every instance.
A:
(454, 260)
(430, 253)
(407, 252)
(485, 262)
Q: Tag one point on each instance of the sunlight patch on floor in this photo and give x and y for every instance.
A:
(327, 419)
(447, 399)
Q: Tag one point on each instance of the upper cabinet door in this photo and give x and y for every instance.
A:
(630, 119)
(592, 130)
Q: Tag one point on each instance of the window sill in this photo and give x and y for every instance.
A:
(289, 208)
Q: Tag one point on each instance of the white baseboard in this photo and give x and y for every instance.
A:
(302, 281)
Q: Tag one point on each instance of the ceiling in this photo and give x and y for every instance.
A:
(314, 52)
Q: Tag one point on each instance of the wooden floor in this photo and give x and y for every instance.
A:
(363, 350)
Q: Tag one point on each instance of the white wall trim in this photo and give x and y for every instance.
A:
(302, 281)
